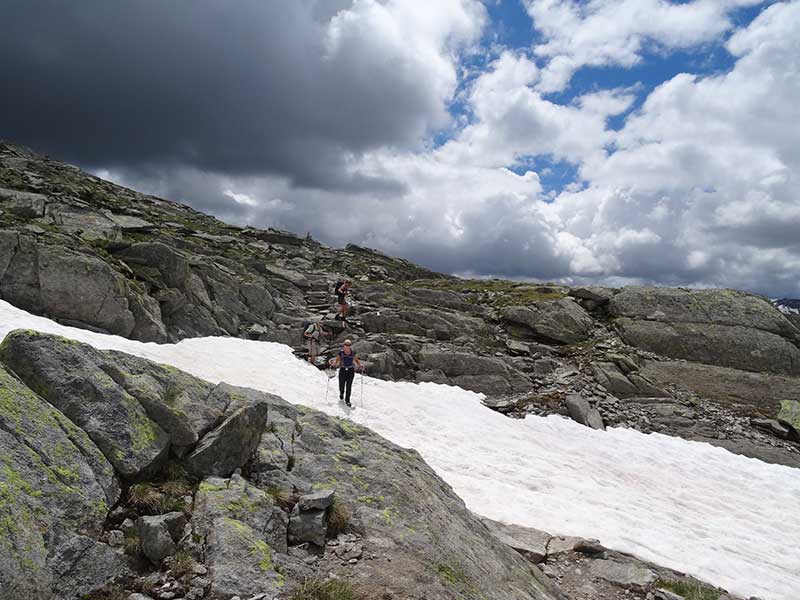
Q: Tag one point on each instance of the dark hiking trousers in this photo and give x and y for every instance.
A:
(346, 376)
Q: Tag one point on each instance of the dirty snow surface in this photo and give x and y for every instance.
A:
(729, 520)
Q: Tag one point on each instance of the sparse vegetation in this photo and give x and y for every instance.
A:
(164, 493)
(182, 563)
(131, 543)
(171, 393)
(495, 292)
(283, 498)
(332, 589)
(262, 553)
(145, 497)
(450, 574)
(578, 348)
(688, 588)
(338, 518)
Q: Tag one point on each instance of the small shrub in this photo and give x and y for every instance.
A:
(131, 543)
(332, 589)
(145, 497)
(182, 563)
(338, 518)
(688, 588)
(283, 498)
(164, 493)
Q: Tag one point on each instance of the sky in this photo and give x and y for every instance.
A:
(610, 141)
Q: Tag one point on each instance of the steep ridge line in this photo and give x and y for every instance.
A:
(664, 499)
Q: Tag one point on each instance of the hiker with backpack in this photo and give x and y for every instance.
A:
(347, 361)
(341, 290)
(312, 331)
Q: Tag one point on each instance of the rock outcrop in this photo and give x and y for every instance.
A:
(321, 496)
(718, 327)
(56, 489)
(562, 321)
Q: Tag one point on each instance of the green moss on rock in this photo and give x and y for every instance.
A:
(261, 552)
(790, 412)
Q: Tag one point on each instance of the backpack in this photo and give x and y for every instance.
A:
(337, 286)
(305, 326)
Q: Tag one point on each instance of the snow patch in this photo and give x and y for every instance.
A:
(785, 308)
(727, 519)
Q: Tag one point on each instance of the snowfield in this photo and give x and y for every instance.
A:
(729, 520)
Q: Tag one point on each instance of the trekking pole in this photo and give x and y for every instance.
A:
(327, 385)
(362, 388)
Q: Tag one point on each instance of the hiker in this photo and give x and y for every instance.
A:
(347, 361)
(342, 288)
(312, 333)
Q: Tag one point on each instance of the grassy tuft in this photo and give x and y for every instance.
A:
(689, 589)
(338, 518)
(145, 497)
(131, 543)
(165, 493)
(332, 589)
(182, 563)
(171, 394)
(283, 498)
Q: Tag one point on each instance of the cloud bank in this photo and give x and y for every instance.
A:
(395, 124)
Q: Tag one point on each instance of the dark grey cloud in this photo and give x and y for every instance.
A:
(290, 113)
(243, 87)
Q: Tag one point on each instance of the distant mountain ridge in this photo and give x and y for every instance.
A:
(788, 306)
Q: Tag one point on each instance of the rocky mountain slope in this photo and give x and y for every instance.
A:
(220, 481)
(162, 448)
(715, 365)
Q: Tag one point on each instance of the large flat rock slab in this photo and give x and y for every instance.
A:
(718, 327)
(710, 306)
(562, 321)
(531, 543)
(69, 376)
(55, 492)
(763, 392)
(734, 346)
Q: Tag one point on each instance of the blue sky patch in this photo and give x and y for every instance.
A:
(510, 27)
(554, 175)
